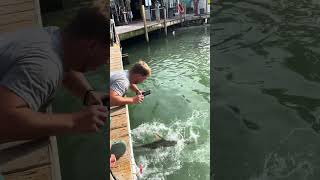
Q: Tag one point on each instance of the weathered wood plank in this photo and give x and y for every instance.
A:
(17, 17)
(11, 2)
(38, 12)
(36, 158)
(38, 173)
(54, 158)
(26, 156)
(15, 156)
(116, 112)
(14, 8)
(14, 26)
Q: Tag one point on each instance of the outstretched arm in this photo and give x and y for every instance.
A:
(117, 100)
(135, 89)
(18, 121)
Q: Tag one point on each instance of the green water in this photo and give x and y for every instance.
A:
(266, 103)
(178, 107)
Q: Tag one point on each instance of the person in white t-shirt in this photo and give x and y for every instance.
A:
(121, 81)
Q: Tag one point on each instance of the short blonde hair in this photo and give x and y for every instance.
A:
(141, 68)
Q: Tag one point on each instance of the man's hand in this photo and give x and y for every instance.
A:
(139, 92)
(95, 98)
(138, 99)
(90, 119)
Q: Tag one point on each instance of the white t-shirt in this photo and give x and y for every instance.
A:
(119, 82)
(31, 64)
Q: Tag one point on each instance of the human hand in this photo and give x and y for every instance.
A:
(89, 119)
(113, 160)
(139, 92)
(138, 99)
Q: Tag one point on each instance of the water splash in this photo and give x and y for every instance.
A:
(193, 145)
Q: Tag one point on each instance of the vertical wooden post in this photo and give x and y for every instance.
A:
(180, 14)
(167, 6)
(54, 156)
(157, 11)
(165, 21)
(145, 22)
(125, 17)
(38, 12)
(185, 12)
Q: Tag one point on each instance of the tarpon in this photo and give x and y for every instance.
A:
(160, 142)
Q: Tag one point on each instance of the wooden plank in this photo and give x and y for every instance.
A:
(26, 156)
(117, 111)
(54, 158)
(11, 2)
(14, 8)
(23, 154)
(36, 158)
(17, 17)
(14, 26)
(8, 144)
(38, 173)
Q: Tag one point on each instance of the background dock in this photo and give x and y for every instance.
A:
(137, 28)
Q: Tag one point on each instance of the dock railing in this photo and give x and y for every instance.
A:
(114, 38)
(161, 18)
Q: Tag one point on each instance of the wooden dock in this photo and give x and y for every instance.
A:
(137, 28)
(30, 160)
(125, 168)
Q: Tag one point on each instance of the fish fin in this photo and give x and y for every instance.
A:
(158, 136)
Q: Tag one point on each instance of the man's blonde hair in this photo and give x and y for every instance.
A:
(141, 68)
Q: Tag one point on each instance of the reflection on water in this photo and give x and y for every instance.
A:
(178, 107)
(266, 87)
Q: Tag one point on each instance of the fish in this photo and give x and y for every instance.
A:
(235, 109)
(251, 125)
(160, 142)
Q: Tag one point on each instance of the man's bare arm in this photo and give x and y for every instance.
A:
(76, 83)
(18, 121)
(134, 88)
(116, 100)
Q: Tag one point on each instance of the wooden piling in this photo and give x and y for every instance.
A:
(165, 21)
(145, 22)
(185, 12)
(157, 11)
